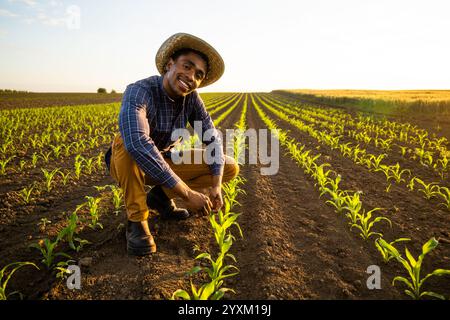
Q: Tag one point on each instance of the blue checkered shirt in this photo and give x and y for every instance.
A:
(146, 120)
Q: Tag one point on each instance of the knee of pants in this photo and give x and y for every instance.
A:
(230, 170)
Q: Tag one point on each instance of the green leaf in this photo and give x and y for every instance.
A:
(430, 245)
(208, 290)
(404, 280)
(194, 270)
(411, 259)
(181, 294)
(411, 294)
(440, 272)
(432, 294)
(204, 255)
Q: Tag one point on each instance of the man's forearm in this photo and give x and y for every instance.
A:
(182, 190)
(217, 181)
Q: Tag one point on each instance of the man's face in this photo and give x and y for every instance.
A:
(184, 75)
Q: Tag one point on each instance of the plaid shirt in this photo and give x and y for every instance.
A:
(146, 121)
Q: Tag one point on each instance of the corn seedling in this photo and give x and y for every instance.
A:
(69, 231)
(78, 166)
(47, 249)
(61, 267)
(34, 159)
(413, 267)
(376, 161)
(6, 274)
(337, 199)
(386, 254)
(4, 163)
(366, 224)
(353, 206)
(57, 151)
(65, 177)
(429, 190)
(42, 224)
(49, 176)
(25, 194)
(45, 156)
(89, 165)
(22, 164)
(94, 210)
(444, 192)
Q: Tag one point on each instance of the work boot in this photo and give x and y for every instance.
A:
(139, 240)
(158, 200)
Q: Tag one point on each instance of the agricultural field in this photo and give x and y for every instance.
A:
(354, 189)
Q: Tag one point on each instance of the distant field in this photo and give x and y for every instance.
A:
(52, 99)
(434, 102)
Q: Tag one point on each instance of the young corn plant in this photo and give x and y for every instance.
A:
(49, 176)
(47, 249)
(6, 274)
(94, 211)
(42, 224)
(413, 267)
(89, 165)
(25, 194)
(62, 269)
(366, 224)
(4, 163)
(99, 161)
(376, 161)
(22, 165)
(78, 166)
(321, 176)
(57, 150)
(65, 177)
(34, 159)
(117, 196)
(444, 192)
(444, 162)
(425, 157)
(397, 173)
(45, 156)
(386, 254)
(353, 206)
(429, 190)
(70, 231)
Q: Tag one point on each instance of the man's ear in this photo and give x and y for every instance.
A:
(169, 65)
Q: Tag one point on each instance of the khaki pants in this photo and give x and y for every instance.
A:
(132, 179)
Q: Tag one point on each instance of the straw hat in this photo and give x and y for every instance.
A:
(184, 40)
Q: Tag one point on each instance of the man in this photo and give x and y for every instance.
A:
(151, 109)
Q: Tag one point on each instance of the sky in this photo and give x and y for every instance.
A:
(79, 46)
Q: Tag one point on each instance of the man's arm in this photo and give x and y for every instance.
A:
(135, 131)
(200, 114)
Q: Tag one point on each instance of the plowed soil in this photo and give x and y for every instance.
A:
(294, 246)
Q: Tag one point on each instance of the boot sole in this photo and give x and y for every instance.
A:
(140, 251)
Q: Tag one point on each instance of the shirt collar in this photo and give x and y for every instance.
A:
(180, 101)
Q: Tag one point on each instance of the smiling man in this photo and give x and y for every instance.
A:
(140, 155)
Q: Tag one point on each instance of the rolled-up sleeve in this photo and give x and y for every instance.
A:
(200, 114)
(135, 130)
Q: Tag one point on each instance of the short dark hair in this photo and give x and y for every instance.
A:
(182, 51)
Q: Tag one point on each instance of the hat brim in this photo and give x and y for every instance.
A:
(184, 40)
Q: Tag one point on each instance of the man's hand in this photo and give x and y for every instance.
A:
(199, 202)
(216, 198)
(195, 201)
